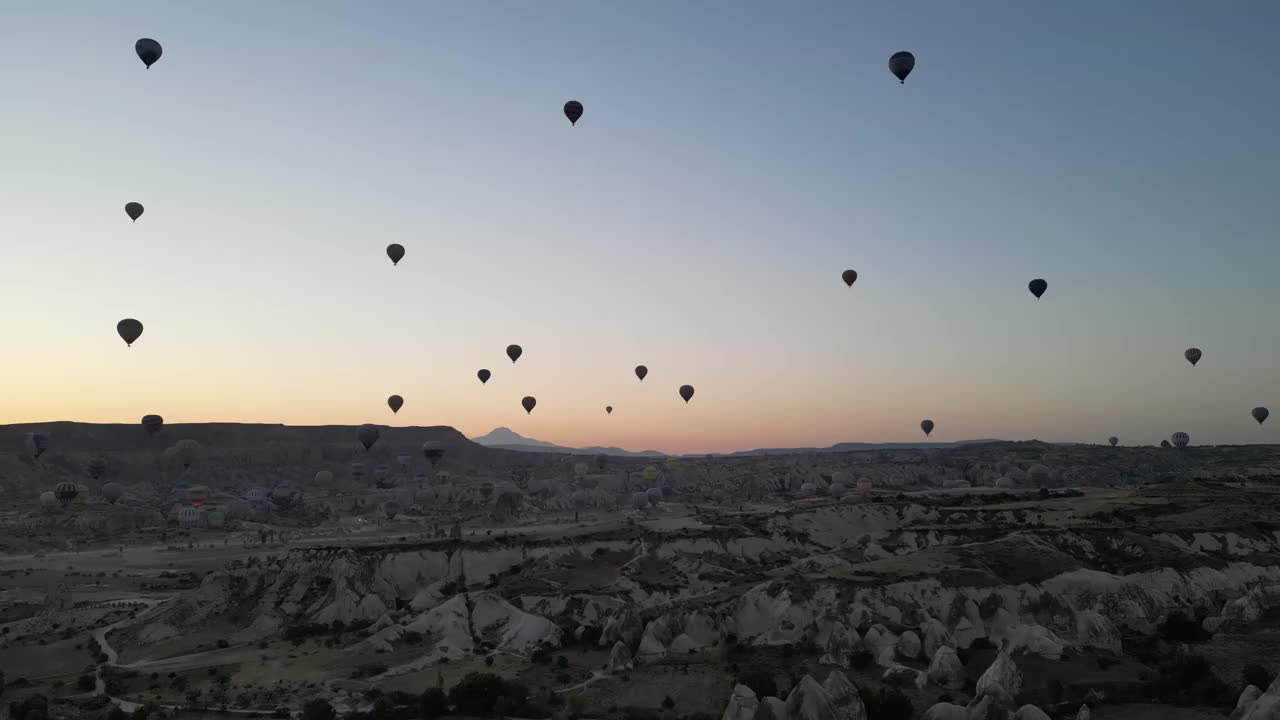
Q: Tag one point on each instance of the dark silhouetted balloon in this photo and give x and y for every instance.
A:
(901, 64)
(528, 402)
(641, 371)
(484, 375)
(66, 492)
(1260, 414)
(1037, 287)
(849, 277)
(1180, 439)
(1193, 355)
(130, 330)
(1113, 440)
(367, 435)
(391, 508)
(573, 111)
(96, 466)
(149, 51)
(608, 409)
(395, 251)
(152, 424)
(433, 451)
(133, 210)
(686, 392)
(112, 492)
(395, 402)
(514, 352)
(37, 443)
(926, 426)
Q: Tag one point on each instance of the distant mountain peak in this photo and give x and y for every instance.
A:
(508, 439)
(507, 436)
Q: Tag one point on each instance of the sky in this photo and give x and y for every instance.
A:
(734, 158)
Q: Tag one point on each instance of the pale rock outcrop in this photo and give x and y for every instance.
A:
(946, 670)
(1095, 630)
(945, 711)
(902, 676)
(620, 658)
(808, 701)
(1002, 678)
(989, 707)
(839, 645)
(742, 704)
(770, 708)
(1248, 697)
(935, 636)
(844, 696)
(1030, 712)
(1084, 713)
(1039, 640)
(653, 644)
(908, 646)
(1267, 706)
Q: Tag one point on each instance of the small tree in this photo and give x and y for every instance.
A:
(434, 704)
(668, 703)
(1257, 675)
(318, 710)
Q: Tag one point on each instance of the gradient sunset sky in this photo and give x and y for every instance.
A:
(733, 159)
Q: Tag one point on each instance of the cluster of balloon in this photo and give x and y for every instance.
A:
(130, 330)
(573, 111)
(395, 402)
(395, 251)
(133, 210)
(850, 277)
(1193, 355)
(926, 426)
(1037, 287)
(901, 64)
(367, 435)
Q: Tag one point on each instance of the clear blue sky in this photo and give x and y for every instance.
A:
(733, 159)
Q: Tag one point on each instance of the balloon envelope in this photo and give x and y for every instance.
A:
(148, 50)
(849, 277)
(686, 392)
(1037, 287)
(152, 424)
(395, 402)
(608, 409)
(926, 426)
(112, 492)
(484, 375)
(395, 251)
(1260, 414)
(133, 210)
(573, 111)
(95, 467)
(641, 371)
(514, 352)
(37, 443)
(1180, 439)
(1113, 440)
(433, 451)
(367, 435)
(1193, 355)
(65, 492)
(323, 477)
(901, 64)
(528, 402)
(129, 330)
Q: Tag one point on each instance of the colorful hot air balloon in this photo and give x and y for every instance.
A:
(901, 64)
(1113, 440)
(129, 330)
(149, 51)
(395, 251)
(1260, 414)
(484, 375)
(573, 111)
(1037, 287)
(367, 435)
(133, 210)
(608, 409)
(686, 392)
(1193, 355)
(528, 402)
(849, 277)
(1180, 439)
(197, 495)
(395, 402)
(514, 352)
(96, 466)
(641, 371)
(926, 426)
(649, 474)
(152, 424)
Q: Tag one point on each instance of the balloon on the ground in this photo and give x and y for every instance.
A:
(129, 330)
(514, 352)
(926, 426)
(901, 64)
(395, 251)
(1193, 355)
(358, 470)
(686, 392)
(186, 452)
(395, 402)
(1180, 439)
(528, 402)
(133, 210)
(1037, 287)
(391, 508)
(484, 375)
(849, 277)
(148, 50)
(573, 111)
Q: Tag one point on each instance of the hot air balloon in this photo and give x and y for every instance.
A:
(395, 402)
(395, 251)
(37, 443)
(256, 495)
(185, 452)
(112, 492)
(808, 489)
(580, 469)
(358, 470)
(81, 500)
(391, 508)
(380, 471)
(671, 464)
(837, 490)
(1037, 287)
(654, 495)
(641, 371)
(433, 451)
(149, 51)
(65, 492)
(197, 495)
(686, 392)
(96, 466)
(1193, 355)
(188, 517)
(514, 352)
(849, 277)
(639, 500)
(49, 501)
(1113, 440)
(528, 402)
(608, 409)
(130, 330)
(1038, 474)
(367, 435)
(486, 490)
(484, 375)
(926, 426)
(133, 210)
(901, 64)
(573, 111)
(650, 473)
(323, 477)
(1180, 439)
(1260, 414)
(152, 424)
(864, 485)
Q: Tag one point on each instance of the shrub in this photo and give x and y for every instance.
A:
(479, 694)
(1106, 662)
(433, 704)
(668, 703)
(562, 662)
(1178, 628)
(1256, 675)
(318, 710)
(861, 660)
(85, 683)
(1189, 680)
(222, 643)
(760, 681)
(887, 704)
